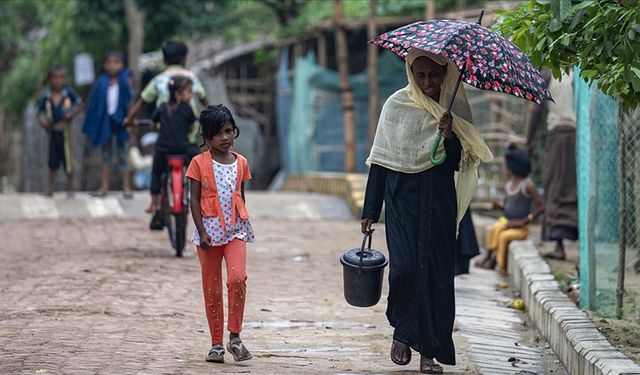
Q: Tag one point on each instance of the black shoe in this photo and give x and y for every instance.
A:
(157, 221)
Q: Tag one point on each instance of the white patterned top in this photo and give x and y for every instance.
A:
(225, 176)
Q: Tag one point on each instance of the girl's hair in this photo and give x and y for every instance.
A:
(212, 120)
(54, 69)
(114, 53)
(177, 84)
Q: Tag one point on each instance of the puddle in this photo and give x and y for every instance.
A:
(309, 352)
(303, 324)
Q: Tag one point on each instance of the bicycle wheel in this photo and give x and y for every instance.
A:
(170, 223)
(180, 221)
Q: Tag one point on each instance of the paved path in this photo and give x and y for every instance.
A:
(84, 295)
(286, 205)
(499, 338)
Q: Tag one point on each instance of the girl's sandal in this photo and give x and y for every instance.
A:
(428, 366)
(238, 350)
(407, 350)
(216, 354)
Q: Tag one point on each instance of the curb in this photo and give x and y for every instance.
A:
(350, 186)
(576, 340)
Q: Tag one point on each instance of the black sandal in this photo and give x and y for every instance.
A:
(399, 361)
(430, 368)
(157, 221)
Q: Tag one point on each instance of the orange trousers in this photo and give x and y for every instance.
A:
(499, 238)
(234, 254)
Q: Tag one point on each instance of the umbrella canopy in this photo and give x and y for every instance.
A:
(486, 60)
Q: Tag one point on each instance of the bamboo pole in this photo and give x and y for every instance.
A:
(322, 50)
(348, 102)
(622, 214)
(135, 28)
(372, 63)
(430, 10)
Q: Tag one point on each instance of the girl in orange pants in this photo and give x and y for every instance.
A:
(222, 228)
(234, 254)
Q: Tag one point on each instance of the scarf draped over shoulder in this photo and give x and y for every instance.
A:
(408, 125)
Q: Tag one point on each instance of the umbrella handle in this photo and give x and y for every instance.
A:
(462, 71)
(436, 143)
(434, 149)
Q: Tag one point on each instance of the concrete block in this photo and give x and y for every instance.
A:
(576, 340)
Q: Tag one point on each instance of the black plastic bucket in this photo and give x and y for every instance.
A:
(363, 272)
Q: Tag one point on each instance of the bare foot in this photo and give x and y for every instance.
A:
(489, 264)
(151, 209)
(486, 256)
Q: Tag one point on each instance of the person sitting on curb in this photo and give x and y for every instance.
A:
(520, 192)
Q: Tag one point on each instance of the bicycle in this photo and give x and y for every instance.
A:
(174, 200)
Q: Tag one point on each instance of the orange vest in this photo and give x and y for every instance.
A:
(209, 201)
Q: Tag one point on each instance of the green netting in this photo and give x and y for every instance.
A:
(603, 206)
(630, 123)
(315, 139)
(608, 201)
(582, 93)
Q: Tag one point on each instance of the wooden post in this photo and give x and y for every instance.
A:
(348, 102)
(135, 27)
(622, 214)
(372, 63)
(430, 10)
(322, 50)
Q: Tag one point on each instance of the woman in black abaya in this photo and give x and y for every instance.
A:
(422, 205)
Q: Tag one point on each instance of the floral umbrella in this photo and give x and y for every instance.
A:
(486, 60)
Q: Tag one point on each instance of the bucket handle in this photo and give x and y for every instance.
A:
(364, 240)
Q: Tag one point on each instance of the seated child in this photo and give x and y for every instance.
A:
(520, 192)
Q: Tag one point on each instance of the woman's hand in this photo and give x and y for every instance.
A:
(205, 241)
(517, 223)
(366, 226)
(444, 126)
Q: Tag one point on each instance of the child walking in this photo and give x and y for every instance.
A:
(176, 121)
(56, 108)
(222, 228)
(103, 123)
(520, 193)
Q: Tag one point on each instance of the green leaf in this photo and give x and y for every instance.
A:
(636, 71)
(599, 49)
(543, 2)
(576, 19)
(582, 5)
(555, 25)
(561, 8)
(636, 27)
(609, 46)
(632, 34)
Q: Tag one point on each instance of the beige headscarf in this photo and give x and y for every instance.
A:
(408, 125)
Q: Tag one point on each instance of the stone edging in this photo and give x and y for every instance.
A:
(576, 340)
